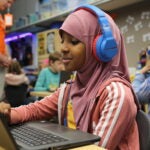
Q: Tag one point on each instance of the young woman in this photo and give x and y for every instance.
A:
(100, 99)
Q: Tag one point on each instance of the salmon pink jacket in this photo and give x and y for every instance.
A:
(113, 114)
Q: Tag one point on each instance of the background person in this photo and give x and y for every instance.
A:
(15, 75)
(49, 77)
(16, 84)
(141, 82)
(100, 100)
(4, 59)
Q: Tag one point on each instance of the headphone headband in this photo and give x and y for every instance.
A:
(102, 20)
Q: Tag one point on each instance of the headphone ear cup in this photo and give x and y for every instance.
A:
(105, 48)
(99, 48)
(95, 47)
(108, 49)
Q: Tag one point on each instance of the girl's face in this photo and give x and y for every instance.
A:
(73, 52)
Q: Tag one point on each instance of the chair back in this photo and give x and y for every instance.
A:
(16, 95)
(143, 122)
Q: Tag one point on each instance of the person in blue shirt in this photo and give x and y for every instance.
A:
(141, 82)
(49, 77)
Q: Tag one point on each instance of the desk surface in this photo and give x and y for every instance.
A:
(1, 148)
(40, 93)
(88, 147)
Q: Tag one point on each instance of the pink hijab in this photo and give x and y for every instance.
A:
(84, 26)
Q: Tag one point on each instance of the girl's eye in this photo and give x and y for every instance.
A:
(75, 42)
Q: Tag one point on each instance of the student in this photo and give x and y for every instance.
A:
(100, 99)
(16, 84)
(141, 82)
(4, 59)
(15, 75)
(49, 77)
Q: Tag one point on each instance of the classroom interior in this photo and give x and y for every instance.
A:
(34, 22)
(36, 19)
(34, 33)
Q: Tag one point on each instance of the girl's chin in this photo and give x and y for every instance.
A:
(68, 68)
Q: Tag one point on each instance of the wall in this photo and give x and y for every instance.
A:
(134, 23)
(129, 20)
(23, 7)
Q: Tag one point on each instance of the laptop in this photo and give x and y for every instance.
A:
(64, 76)
(39, 135)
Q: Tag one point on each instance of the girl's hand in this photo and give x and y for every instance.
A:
(5, 108)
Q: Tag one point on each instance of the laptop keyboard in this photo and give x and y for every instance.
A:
(34, 137)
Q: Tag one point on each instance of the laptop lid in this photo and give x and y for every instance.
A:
(6, 140)
(74, 138)
(65, 75)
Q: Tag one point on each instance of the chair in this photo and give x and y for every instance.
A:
(143, 123)
(16, 95)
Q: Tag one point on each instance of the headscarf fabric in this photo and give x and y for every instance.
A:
(84, 26)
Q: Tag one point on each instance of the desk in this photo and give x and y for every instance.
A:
(88, 147)
(1, 148)
(40, 93)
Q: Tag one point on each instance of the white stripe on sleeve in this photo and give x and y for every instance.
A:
(117, 111)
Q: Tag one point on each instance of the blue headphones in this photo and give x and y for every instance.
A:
(104, 46)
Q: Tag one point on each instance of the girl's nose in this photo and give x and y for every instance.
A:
(64, 47)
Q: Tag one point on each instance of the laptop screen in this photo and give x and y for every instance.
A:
(65, 75)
